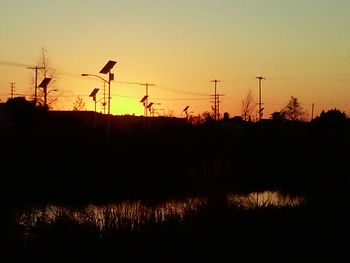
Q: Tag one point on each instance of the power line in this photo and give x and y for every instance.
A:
(130, 83)
(237, 80)
(164, 88)
(9, 63)
(13, 64)
(182, 91)
(182, 99)
(134, 97)
(36, 68)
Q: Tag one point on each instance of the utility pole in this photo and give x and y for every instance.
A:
(218, 102)
(312, 111)
(215, 99)
(12, 89)
(146, 97)
(260, 109)
(36, 68)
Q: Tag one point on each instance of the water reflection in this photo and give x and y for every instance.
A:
(133, 214)
(126, 214)
(264, 199)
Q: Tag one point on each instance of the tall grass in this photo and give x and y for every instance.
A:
(267, 228)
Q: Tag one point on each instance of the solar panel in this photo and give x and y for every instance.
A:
(44, 83)
(110, 64)
(144, 98)
(94, 92)
(185, 109)
(149, 105)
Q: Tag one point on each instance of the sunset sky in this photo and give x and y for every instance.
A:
(301, 47)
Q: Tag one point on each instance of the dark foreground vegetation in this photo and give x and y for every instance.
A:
(70, 156)
(78, 158)
(304, 234)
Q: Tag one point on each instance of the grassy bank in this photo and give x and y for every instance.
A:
(307, 232)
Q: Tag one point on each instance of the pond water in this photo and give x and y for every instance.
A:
(263, 199)
(133, 214)
(126, 214)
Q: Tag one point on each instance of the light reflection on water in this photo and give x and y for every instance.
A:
(263, 199)
(126, 214)
(134, 214)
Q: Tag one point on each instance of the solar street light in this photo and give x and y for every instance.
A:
(93, 95)
(43, 85)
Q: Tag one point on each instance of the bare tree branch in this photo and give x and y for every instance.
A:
(248, 106)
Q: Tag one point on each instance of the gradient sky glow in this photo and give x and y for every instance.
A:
(301, 47)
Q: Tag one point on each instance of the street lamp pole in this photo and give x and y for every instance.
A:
(93, 75)
(106, 69)
(93, 95)
(110, 78)
(43, 85)
(105, 81)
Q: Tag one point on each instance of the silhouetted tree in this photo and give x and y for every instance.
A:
(333, 115)
(207, 117)
(18, 109)
(237, 119)
(169, 113)
(79, 104)
(195, 120)
(278, 116)
(226, 116)
(248, 106)
(47, 72)
(293, 111)
(331, 118)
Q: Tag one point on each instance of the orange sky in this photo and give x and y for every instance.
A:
(301, 47)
